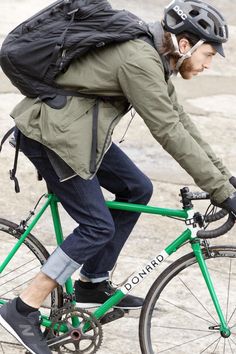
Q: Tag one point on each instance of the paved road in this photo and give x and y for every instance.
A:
(211, 99)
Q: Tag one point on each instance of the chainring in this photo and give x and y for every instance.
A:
(74, 340)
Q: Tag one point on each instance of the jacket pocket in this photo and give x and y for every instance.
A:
(62, 119)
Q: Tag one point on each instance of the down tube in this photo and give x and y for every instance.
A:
(139, 276)
(136, 278)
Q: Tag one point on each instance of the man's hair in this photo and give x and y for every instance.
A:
(168, 46)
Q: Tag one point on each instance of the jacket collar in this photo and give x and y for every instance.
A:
(157, 33)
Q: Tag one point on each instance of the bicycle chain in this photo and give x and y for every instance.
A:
(74, 341)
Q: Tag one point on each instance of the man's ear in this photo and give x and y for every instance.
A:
(184, 45)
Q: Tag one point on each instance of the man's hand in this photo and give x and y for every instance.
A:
(230, 203)
(232, 180)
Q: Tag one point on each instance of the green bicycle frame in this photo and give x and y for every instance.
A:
(188, 235)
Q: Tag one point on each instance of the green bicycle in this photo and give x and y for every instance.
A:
(190, 307)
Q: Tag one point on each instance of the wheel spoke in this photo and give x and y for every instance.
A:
(18, 286)
(231, 347)
(232, 317)
(231, 339)
(185, 343)
(197, 299)
(185, 329)
(217, 341)
(20, 275)
(217, 344)
(228, 290)
(179, 315)
(190, 312)
(15, 269)
(15, 345)
(224, 346)
(3, 351)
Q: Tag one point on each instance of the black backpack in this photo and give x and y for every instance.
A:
(43, 46)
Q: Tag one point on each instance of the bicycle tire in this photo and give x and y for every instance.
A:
(25, 264)
(178, 316)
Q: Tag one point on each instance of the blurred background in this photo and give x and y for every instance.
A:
(210, 99)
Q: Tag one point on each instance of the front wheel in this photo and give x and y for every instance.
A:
(178, 316)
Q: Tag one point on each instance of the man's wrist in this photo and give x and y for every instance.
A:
(232, 180)
(230, 204)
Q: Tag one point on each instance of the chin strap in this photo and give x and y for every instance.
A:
(186, 55)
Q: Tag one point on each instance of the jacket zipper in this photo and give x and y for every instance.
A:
(105, 142)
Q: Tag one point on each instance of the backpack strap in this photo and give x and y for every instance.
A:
(17, 149)
(58, 99)
(94, 138)
(6, 136)
(13, 171)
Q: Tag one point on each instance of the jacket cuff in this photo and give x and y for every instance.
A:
(221, 195)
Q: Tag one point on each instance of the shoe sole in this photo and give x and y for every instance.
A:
(13, 333)
(88, 305)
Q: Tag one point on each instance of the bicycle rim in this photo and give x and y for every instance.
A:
(178, 315)
(24, 266)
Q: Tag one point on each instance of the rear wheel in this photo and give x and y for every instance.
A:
(23, 267)
(178, 315)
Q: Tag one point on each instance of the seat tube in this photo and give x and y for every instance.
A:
(56, 220)
(224, 329)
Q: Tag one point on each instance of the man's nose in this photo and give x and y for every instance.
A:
(207, 64)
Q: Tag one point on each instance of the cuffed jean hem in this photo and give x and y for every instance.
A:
(94, 278)
(59, 266)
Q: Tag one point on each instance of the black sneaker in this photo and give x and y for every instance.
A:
(25, 329)
(88, 298)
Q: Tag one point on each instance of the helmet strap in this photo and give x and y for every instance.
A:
(186, 55)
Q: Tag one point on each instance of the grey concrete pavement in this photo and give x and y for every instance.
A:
(210, 99)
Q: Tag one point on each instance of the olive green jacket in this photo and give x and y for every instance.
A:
(134, 70)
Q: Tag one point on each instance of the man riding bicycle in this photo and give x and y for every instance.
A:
(59, 141)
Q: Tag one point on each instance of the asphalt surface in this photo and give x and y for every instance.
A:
(211, 101)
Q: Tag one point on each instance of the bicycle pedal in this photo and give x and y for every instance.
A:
(114, 315)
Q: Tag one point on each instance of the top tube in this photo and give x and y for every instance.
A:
(147, 209)
(139, 208)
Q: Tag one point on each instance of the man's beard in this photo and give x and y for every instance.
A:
(186, 68)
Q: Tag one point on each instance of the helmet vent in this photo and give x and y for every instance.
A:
(194, 13)
(174, 18)
(203, 24)
(221, 32)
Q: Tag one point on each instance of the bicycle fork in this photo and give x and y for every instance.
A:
(223, 327)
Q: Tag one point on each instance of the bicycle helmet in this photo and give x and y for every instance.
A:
(198, 18)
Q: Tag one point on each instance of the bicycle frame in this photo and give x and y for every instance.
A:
(189, 235)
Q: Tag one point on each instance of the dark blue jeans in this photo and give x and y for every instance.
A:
(101, 233)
